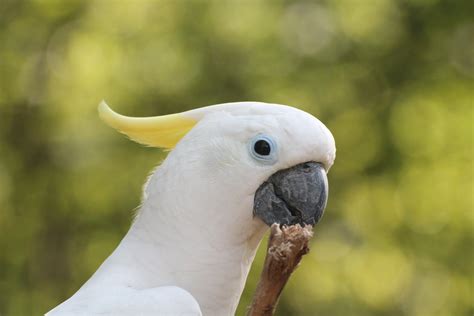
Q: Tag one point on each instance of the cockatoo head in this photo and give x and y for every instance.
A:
(236, 166)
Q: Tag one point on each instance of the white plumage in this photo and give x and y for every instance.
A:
(190, 248)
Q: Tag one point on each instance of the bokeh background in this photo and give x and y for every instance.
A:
(392, 79)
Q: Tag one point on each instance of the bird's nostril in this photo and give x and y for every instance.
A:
(306, 167)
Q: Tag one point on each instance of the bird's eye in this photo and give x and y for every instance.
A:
(263, 148)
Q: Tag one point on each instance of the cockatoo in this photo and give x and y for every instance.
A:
(234, 169)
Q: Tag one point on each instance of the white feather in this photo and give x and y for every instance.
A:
(194, 238)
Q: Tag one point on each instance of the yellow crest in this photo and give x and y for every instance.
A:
(158, 131)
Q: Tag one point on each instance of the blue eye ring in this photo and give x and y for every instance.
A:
(263, 148)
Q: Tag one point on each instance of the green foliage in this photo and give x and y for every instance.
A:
(392, 79)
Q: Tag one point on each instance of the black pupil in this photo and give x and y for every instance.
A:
(262, 147)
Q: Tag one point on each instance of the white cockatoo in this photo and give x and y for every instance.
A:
(234, 169)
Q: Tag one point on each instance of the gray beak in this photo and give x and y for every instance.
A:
(297, 195)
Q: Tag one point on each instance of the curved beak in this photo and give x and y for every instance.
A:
(297, 195)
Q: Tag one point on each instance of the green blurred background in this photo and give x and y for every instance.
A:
(392, 79)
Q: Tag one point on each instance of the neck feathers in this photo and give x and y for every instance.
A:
(149, 257)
